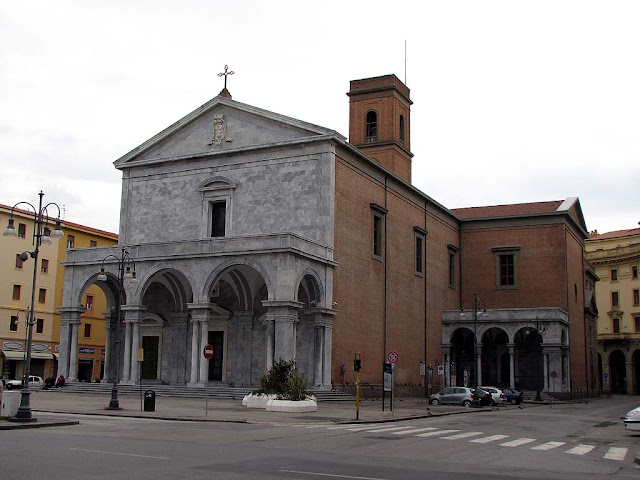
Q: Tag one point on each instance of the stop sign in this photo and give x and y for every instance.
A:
(208, 351)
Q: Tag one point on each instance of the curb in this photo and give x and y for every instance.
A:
(21, 426)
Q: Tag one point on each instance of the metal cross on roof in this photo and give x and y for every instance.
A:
(225, 74)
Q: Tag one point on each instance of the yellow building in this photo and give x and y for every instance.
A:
(15, 299)
(615, 257)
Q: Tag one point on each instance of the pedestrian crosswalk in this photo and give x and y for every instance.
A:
(610, 453)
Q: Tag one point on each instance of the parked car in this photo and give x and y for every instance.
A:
(34, 382)
(481, 398)
(496, 395)
(632, 420)
(453, 395)
(513, 396)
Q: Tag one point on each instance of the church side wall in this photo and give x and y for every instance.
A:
(575, 307)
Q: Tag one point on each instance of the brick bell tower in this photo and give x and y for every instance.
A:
(379, 122)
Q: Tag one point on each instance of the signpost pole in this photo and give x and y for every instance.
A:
(393, 369)
(207, 352)
(357, 366)
(140, 359)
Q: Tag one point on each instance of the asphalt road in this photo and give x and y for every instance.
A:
(579, 441)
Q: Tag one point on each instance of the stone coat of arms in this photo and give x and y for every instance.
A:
(219, 130)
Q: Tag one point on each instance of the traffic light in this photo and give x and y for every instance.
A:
(357, 365)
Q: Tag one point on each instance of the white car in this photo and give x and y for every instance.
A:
(34, 382)
(496, 395)
(632, 420)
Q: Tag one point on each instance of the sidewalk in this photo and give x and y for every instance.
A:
(193, 409)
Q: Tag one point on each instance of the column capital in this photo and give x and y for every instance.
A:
(322, 317)
(133, 313)
(282, 311)
(71, 315)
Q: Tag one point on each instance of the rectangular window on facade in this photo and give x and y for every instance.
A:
(636, 297)
(42, 295)
(22, 230)
(507, 270)
(614, 274)
(634, 272)
(93, 243)
(87, 330)
(615, 299)
(18, 262)
(506, 259)
(616, 325)
(419, 250)
(39, 325)
(452, 265)
(89, 302)
(637, 322)
(13, 324)
(45, 266)
(71, 240)
(377, 236)
(218, 218)
(16, 292)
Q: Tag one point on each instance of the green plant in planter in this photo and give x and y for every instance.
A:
(283, 380)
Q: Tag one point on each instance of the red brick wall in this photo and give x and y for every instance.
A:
(575, 307)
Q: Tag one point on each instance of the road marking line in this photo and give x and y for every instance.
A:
(368, 427)
(415, 430)
(437, 432)
(548, 446)
(338, 427)
(330, 475)
(492, 438)
(118, 453)
(518, 442)
(581, 449)
(388, 429)
(616, 453)
(462, 435)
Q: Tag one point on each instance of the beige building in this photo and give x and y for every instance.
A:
(15, 299)
(615, 257)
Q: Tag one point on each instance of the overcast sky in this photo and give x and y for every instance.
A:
(514, 101)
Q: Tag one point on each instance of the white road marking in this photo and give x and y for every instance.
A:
(433, 434)
(616, 453)
(368, 427)
(518, 442)
(388, 429)
(581, 449)
(548, 446)
(415, 430)
(118, 453)
(462, 435)
(492, 438)
(330, 475)
(338, 427)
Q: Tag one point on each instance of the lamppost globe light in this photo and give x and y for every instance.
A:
(102, 276)
(45, 239)
(10, 231)
(57, 230)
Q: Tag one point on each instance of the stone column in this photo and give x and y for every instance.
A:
(631, 384)
(566, 370)
(284, 314)
(126, 374)
(135, 344)
(70, 315)
(195, 334)
(200, 314)
(319, 354)
(479, 361)
(73, 351)
(545, 368)
(268, 340)
(239, 342)
(606, 381)
(204, 340)
(512, 364)
(323, 325)
(446, 350)
(107, 348)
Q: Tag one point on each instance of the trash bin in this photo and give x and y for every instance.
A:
(149, 401)
(10, 403)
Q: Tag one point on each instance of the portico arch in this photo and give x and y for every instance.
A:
(529, 369)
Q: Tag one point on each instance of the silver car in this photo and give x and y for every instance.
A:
(496, 395)
(452, 395)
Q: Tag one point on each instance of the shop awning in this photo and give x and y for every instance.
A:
(19, 355)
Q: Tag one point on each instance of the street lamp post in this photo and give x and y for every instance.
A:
(126, 269)
(477, 304)
(41, 235)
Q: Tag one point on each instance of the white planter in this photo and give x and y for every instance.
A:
(256, 401)
(274, 405)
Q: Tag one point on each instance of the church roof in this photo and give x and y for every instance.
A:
(517, 209)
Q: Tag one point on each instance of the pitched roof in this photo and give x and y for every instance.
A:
(615, 234)
(508, 210)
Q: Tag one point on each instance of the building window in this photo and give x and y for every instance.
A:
(419, 249)
(637, 321)
(636, 297)
(89, 302)
(16, 292)
(634, 272)
(218, 218)
(39, 325)
(420, 235)
(371, 126)
(45, 266)
(71, 240)
(614, 274)
(13, 324)
(402, 129)
(18, 261)
(42, 295)
(93, 243)
(377, 236)
(615, 299)
(506, 266)
(87, 330)
(22, 230)
(452, 265)
(616, 325)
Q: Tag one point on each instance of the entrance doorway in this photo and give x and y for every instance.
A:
(150, 362)
(85, 369)
(216, 339)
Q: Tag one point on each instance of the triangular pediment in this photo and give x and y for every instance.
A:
(222, 125)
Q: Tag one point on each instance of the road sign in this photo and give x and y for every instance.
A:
(440, 369)
(554, 374)
(208, 351)
(393, 356)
